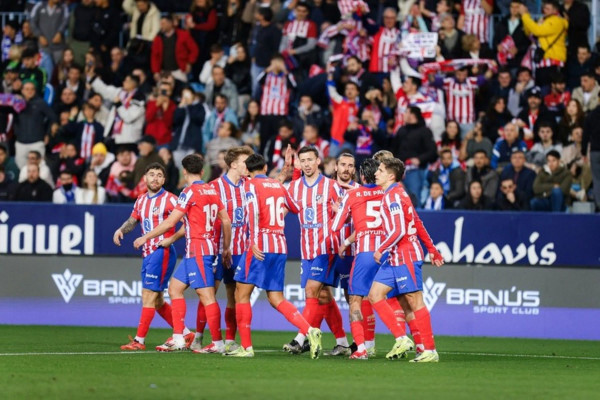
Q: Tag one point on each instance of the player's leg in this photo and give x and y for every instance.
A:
(368, 325)
(333, 317)
(146, 317)
(204, 284)
(177, 287)
(356, 327)
(243, 292)
(412, 324)
(201, 311)
(230, 313)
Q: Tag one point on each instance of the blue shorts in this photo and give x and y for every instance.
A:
(318, 269)
(268, 274)
(363, 273)
(197, 272)
(157, 268)
(342, 268)
(226, 274)
(402, 279)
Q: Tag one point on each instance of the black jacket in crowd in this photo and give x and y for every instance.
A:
(36, 191)
(34, 122)
(414, 140)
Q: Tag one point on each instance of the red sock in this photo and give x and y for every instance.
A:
(145, 320)
(389, 319)
(243, 314)
(424, 326)
(291, 314)
(166, 313)
(368, 320)
(358, 333)
(178, 307)
(398, 311)
(414, 329)
(213, 316)
(230, 324)
(333, 317)
(313, 312)
(200, 318)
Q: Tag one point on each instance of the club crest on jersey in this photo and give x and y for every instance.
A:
(156, 211)
(147, 225)
(249, 195)
(182, 198)
(319, 199)
(309, 214)
(395, 208)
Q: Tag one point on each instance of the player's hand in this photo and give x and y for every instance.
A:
(289, 156)
(436, 258)
(117, 237)
(227, 261)
(166, 242)
(259, 255)
(342, 250)
(139, 242)
(377, 257)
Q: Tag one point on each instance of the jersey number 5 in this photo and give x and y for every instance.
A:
(373, 212)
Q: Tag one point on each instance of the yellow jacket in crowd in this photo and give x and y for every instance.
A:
(547, 30)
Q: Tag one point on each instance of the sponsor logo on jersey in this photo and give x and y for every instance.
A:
(238, 214)
(309, 214)
(147, 225)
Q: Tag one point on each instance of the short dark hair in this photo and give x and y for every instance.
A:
(222, 96)
(481, 151)
(266, 13)
(216, 48)
(66, 172)
(545, 124)
(589, 74)
(345, 154)
(255, 162)
(553, 153)
(445, 150)
(38, 155)
(524, 69)
(233, 153)
(134, 78)
(193, 164)
(156, 165)
(367, 170)
(286, 123)
(415, 81)
(416, 111)
(308, 149)
(352, 83)
(503, 70)
(122, 149)
(303, 4)
(395, 166)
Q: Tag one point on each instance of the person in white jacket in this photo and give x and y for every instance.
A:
(126, 118)
(90, 192)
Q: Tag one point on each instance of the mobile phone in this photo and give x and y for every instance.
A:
(163, 92)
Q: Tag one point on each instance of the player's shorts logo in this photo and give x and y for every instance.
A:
(147, 225)
(309, 214)
(238, 214)
(395, 208)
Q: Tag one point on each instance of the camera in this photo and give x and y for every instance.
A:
(163, 92)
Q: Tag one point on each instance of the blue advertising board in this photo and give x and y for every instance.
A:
(496, 238)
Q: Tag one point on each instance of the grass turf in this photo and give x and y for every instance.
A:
(469, 368)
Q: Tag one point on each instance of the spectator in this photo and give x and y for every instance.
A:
(495, 119)
(344, 111)
(145, 85)
(475, 199)
(442, 7)
(173, 50)
(31, 72)
(10, 167)
(148, 155)
(277, 85)
(84, 134)
(90, 191)
(67, 190)
(49, 22)
(126, 118)
(581, 180)
(365, 80)
(145, 19)
(106, 29)
(231, 27)
(517, 96)
(591, 137)
(68, 160)
(530, 118)
(160, 112)
(310, 137)
(536, 157)
(510, 198)
(238, 71)
(408, 94)
(552, 186)
(365, 135)
(502, 85)
(101, 162)
(481, 171)
(202, 24)
(474, 49)
(579, 64)
(101, 112)
(172, 171)
(61, 70)
(551, 33)
(219, 114)
(299, 40)
(510, 39)
(308, 113)
(34, 188)
(251, 125)
(474, 18)
(522, 176)
(556, 101)
(573, 152)
(381, 50)
(120, 175)
(450, 175)
(32, 125)
(578, 16)
(81, 28)
(217, 58)
(188, 120)
(219, 84)
(451, 139)
(67, 102)
(74, 83)
(572, 118)
(414, 145)
(503, 148)
(265, 41)
(34, 157)
(450, 38)
(10, 37)
(274, 150)
(225, 140)
(587, 93)
(8, 187)
(436, 200)
(116, 70)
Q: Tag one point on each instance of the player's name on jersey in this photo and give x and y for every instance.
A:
(360, 193)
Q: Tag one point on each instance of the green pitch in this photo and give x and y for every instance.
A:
(42, 365)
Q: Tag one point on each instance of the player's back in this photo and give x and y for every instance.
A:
(233, 198)
(365, 204)
(150, 211)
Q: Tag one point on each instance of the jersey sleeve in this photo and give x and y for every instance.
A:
(290, 203)
(252, 213)
(185, 200)
(393, 220)
(342, 214)
(135, 213)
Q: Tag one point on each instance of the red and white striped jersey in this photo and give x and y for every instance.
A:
(460, 99)
(398, 215)
(425, 104)
(201, 204)
(276, 91)
(233, 198)
(266, 200)
(150, 211)
(384, 47)
(348, 227)
(87, 141)
(476, 21)
(315, 204)
(362, 205)
(347, 7)
(293, 30)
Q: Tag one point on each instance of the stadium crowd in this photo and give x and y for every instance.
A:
(509, 123)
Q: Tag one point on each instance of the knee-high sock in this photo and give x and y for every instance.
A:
(414, 330)
(200, 318)
(243, 313)
(313, 313)
(145, 320)
(178, 307)
(292, 315)
(424, 325)
(230, 324)
(386, 314)
(166, 313)
(358, 333)
(368, 320)
(333, 317)
(213, 316)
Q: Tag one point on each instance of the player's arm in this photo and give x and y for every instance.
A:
(290, 203)
(162, 228)
(170, 240)
(341, 216)
(434, 254)
(348, 242)
(253, 223)
(127, 227)
(288, 167)
(394, 226)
